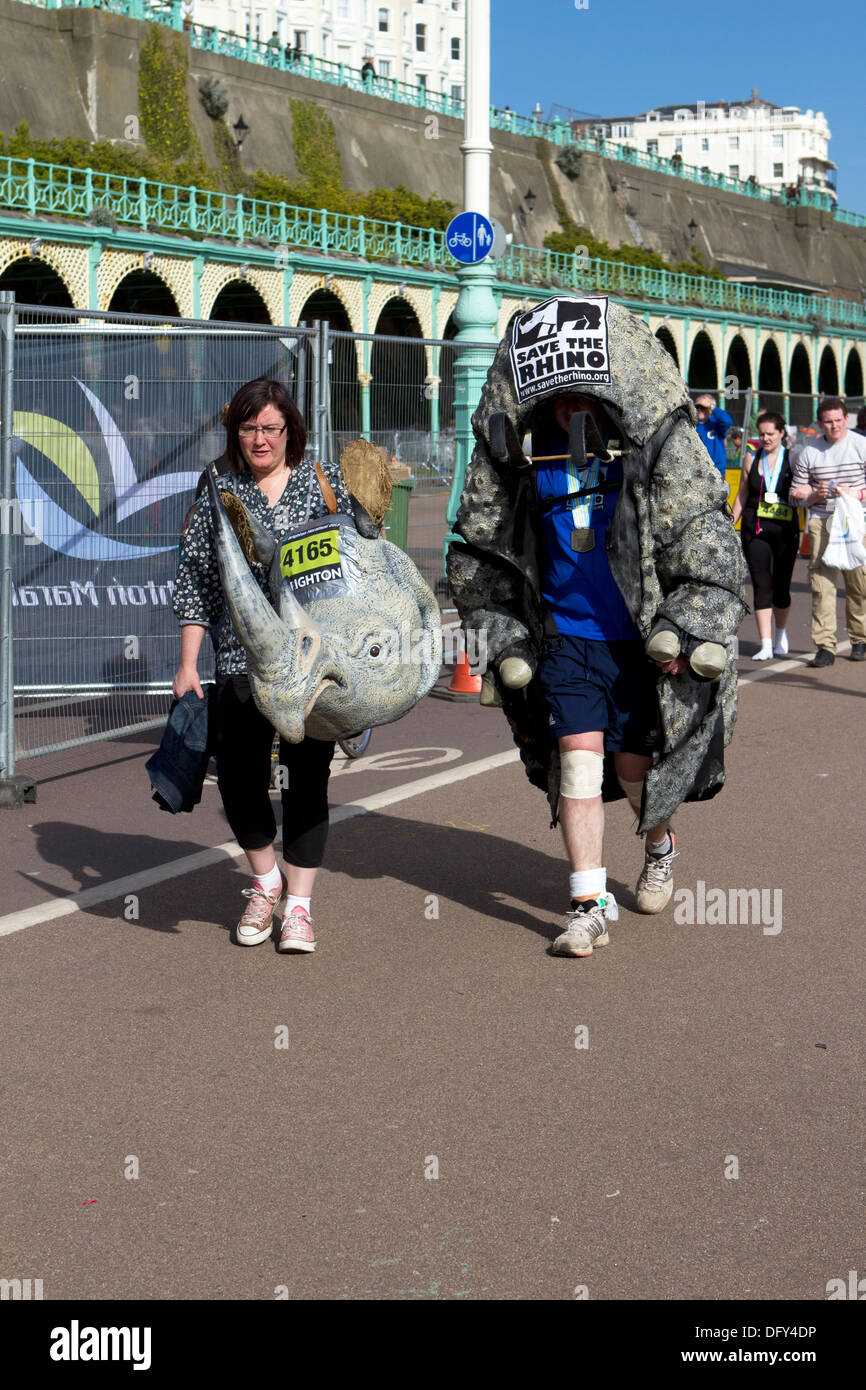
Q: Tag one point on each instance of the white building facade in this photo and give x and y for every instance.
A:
(420, 42)
(776, 145)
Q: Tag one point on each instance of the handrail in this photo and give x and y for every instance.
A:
(62, 190)
(557, 132)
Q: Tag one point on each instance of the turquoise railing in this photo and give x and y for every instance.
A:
(558, 132)
(40, 188)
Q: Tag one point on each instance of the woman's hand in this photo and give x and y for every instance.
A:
(186, 679)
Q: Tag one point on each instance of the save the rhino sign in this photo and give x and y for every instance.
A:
(560, 343)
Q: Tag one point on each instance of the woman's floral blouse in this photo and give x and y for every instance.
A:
(198, 595)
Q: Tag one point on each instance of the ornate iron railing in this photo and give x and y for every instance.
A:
(60, 190)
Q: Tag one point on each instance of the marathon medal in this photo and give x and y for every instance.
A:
(583, 535)
(582, 538)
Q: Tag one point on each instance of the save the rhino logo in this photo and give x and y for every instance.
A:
(559, 344)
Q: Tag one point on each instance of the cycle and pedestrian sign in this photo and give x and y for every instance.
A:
(469, 237)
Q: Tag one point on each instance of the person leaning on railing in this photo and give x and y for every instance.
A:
(265, 442)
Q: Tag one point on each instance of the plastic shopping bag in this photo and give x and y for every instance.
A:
(845, 550)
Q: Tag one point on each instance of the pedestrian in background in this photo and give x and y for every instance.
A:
(835, 463)
(713, 425)
(770, 531)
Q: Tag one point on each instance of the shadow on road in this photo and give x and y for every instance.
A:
(484, 872)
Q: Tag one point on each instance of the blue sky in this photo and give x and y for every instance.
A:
(623, 56)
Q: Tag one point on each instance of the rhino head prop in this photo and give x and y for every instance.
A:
(352, 637)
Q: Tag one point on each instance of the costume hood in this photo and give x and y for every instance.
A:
(589, 345)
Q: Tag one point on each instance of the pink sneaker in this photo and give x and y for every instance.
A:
(256, 924)
(297, 933)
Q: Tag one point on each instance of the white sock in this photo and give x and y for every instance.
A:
(270, 880)
(781, 641)
(663, 847)
(766, 649)
(292, 902)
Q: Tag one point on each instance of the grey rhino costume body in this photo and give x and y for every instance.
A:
(673, 554)
(352, 637)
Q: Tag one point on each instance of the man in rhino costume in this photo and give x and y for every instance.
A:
(603, 547)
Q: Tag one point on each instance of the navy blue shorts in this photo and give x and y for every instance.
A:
(610, 686)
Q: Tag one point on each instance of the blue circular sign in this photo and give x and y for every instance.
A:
(469, 237)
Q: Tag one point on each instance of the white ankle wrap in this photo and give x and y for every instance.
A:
(582, 774)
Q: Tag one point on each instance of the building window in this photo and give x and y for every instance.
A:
(734, 171)
(678, 145)
(421, 37)
(705, 142)
(455, 50)
(456, 92)
(407, 72)
(422, 81)
(384, 21)
(778, 170)
(652, 146)
(342, 9)
(384, 67)
(733, 142)
(301, 39)
(405, 27)
(778, 142)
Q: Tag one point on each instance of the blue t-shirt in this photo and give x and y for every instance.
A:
(578, 586)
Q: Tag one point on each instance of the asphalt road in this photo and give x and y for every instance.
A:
(432, 1106)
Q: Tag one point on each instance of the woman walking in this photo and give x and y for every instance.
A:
(265, 442)
(770, 532)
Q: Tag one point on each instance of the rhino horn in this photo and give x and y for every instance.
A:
(272, 641)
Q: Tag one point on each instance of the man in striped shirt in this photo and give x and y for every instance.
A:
(834, 464)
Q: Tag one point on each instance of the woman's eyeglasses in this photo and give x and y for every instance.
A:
(269, 431)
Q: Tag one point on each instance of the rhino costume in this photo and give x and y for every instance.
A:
(672, 549)
(352, 636)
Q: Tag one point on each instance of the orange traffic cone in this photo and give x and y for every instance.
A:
(804, 544)
(464, 686)
(463, 682)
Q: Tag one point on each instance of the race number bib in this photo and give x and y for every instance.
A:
(774, 511)
(312, 560)
(319, 559)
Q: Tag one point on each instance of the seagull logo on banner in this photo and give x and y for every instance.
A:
(53, 526)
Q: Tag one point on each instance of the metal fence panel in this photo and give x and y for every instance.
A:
(114, 420)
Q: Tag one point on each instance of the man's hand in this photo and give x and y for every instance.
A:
(675, 667)
(823, 490)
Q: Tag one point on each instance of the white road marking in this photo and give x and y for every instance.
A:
(204, 859)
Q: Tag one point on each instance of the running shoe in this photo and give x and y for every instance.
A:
(257, 922)
(585, 928)
(297, 933)
(656, 883)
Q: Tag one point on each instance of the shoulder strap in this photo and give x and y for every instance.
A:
(327, 491)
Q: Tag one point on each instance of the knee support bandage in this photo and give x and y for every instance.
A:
(634, 792)
(581, 775)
